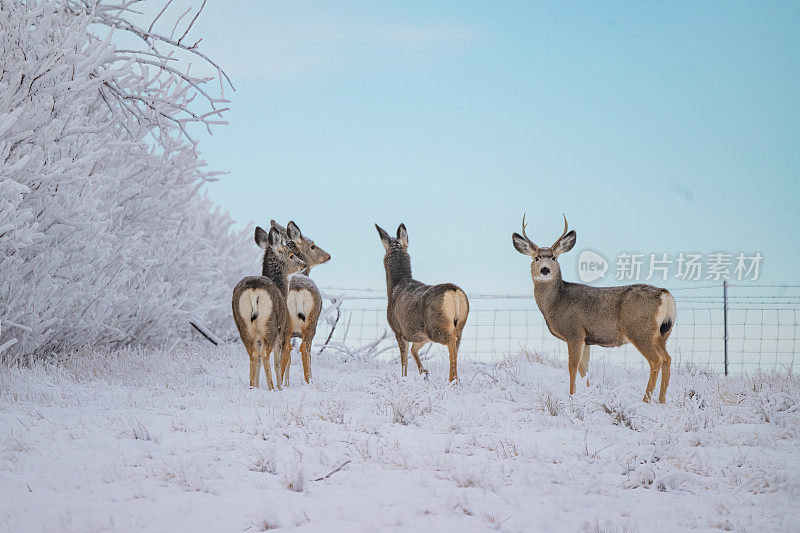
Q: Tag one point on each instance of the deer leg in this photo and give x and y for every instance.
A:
(655, 366)
(403, 355)
(415, 348)
(583, 366)
(254, 362)
(651, 353)
(575, 349)
(267, 371)
(277, 364)
(305, 354)
(452, 347)
(666, 361)
(286, 360)
(288, 369)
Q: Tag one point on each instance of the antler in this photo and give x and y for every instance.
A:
(565, 231)
(525, 234)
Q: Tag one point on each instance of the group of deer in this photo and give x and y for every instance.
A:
(580, 315)
(270, 310)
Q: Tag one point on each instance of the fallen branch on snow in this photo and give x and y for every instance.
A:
(207, 334)
(332, 472)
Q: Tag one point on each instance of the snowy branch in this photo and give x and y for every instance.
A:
(105, 236)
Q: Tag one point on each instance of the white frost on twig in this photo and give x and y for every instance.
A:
(106, 238)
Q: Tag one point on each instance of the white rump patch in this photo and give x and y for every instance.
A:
(666, 310)
(299, 302)
(257, 300)
(451, 307)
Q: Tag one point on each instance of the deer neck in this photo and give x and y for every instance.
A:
(398, 269)
(306, 271)
(548, 293)
(274, 269)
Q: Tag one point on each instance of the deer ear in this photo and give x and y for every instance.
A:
(385, 239)
(275, 239)
(565, 243)
(277, 226)
(262, 239)
(522, 245)
(402, 235)
(293, 232)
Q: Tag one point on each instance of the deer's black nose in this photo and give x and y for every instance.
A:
(545, 271)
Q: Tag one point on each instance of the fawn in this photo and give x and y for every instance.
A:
(419, 313)
(259, 307)
(304, 300)
(582, 315)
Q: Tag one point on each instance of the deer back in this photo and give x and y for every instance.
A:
(604, 316)
(416, 311)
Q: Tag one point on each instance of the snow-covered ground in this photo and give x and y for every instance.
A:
(144, 440)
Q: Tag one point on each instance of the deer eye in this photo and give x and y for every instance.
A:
(313, 247)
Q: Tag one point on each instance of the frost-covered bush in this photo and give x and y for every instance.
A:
(105, 236)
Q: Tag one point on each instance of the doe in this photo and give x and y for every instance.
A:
(304, 300)
(259, 307)
(419, 313)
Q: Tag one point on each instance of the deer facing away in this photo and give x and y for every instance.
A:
(304, 301)
(582, 315)
(419, 313)
(259, 307)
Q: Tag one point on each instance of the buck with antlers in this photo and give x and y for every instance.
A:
(582, 315)
(259, 307)
(419, 313)
(304, 300)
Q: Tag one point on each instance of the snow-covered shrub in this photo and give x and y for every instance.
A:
(105, 236)
(294, 477)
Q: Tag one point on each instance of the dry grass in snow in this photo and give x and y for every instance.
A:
(144, 440)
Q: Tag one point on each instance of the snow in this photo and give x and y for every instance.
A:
(143, 439)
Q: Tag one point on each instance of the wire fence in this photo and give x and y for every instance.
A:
(724, 328)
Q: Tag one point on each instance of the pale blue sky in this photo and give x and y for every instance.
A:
(655, 126)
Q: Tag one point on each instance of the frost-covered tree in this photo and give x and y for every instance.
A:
(106, 238)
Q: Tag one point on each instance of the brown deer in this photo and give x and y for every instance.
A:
(582, 315)
(304, 300)
(259, 307)
(420, 313)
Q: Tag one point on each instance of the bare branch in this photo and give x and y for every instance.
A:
(159, 15)
(332, 472)
(175, 27)
(192, 22)
(143, 99)
(203, 333)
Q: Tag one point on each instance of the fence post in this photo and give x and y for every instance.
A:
(725, 320)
